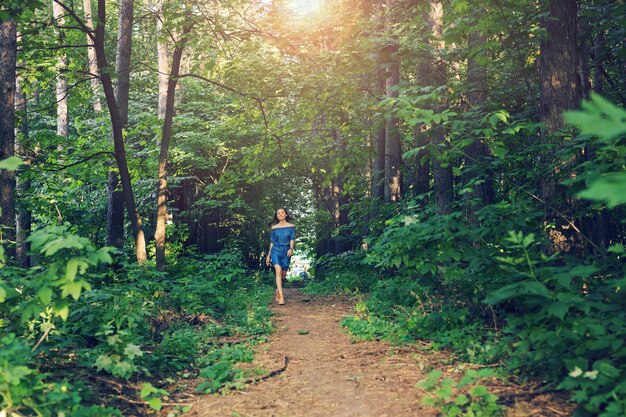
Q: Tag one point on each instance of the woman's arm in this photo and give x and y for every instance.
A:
(290, 251)
(267, 259)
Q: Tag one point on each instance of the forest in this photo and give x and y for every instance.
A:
(455, 168)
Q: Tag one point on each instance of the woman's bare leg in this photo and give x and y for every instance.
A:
(284, 277)
(279, 284)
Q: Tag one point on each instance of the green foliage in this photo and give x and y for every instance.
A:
(152, 395)
(465, 398)
(220, 371)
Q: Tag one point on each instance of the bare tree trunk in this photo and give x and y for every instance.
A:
(8, 56)
(339, 197)
(91, 54)
(442, 171)
(23, 220)
(61, 86)
(378, 165)
(477, 153)
(159, 233)
(118, 138)
(558, 63)
(115, 206)
(163, 63)
(598, 57)
(393, 147)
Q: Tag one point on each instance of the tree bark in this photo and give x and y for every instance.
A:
(118, 138)
(115, 206)
(61, 84)
(378, 164)
(477, 153)
(163, 63)
(442, 171)
(393, 147)
(558, 63)
(91, 55)
(162, 193)
(8, 56)
(23, 221)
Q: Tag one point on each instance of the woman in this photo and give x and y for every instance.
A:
(281, 249)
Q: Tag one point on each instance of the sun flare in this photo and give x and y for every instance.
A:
(303, 8)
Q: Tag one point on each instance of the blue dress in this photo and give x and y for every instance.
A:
(280, 245)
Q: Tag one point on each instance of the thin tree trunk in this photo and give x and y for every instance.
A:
(159, 233)
(91, 54)
(118, 138)
(163, 63)
(393, 147)
(115, 206)
(339, 197)
(442, 171)
(478, 152)
(378, 165)
(8, 56)
(61, 85)
(598, 57)
(24, 217)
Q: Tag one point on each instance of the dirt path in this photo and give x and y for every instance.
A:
(330, 375)
(327, 374)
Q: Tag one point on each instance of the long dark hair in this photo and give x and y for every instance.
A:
(275, 220)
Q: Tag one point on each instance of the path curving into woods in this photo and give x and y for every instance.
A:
(328, 374)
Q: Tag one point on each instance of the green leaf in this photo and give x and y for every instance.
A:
(155, 403)
(558, 309)
(610, 189)
(479, 391)
(11, 163)
(131, 351)
(45, 295)
(103, 362)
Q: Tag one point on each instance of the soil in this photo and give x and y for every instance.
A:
(329, 374)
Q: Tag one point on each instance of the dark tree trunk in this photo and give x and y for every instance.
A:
(159, 233)
(477, 153)
(118, 138)
(8, 56)
(598, 57)
(378, 165)
(558, 63)
(393, 147)
(442, 171)
(340, 199)
(115, 206)
(24, 217)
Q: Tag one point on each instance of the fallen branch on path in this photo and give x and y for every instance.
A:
(254, 380)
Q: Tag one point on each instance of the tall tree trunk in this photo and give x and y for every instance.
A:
(339, 197)
(378, 165)
(163, 63)
(115, 206)
(8, 56)
(91, 55)
(393, 147)
(24, 217)
(598, 57)
(442, 171)
(159, 233)
(61, 85)
(477, 153)
(118, 137)
(558, 63)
